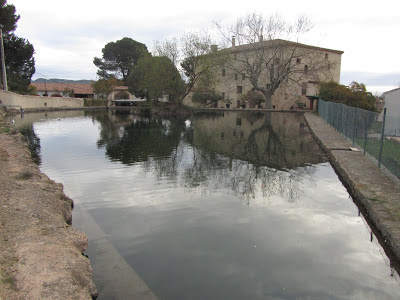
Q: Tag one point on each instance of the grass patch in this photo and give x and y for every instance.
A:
(10, 281)
(24, 176)
(375, 200)
(5, 129)
(390, 153)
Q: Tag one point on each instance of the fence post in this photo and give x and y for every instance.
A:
(382, 134)
(365, 138)
(354, 126)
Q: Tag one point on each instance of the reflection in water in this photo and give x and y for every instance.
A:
(276, 140)
(33, 143)
(221, 206)
(251, 159)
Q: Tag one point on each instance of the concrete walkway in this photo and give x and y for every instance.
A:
(369, 186)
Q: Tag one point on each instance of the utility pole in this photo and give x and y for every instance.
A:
(3, 62)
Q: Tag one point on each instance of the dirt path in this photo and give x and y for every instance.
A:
(40, 253)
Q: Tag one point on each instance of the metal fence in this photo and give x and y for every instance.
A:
(376, 134)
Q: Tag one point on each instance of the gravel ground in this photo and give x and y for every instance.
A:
(40, 252)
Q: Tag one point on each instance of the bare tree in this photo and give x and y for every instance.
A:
(168, 48)
(266, 51)
(195, 55)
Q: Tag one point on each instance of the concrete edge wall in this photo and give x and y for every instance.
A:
(39, 102)
(385, 229)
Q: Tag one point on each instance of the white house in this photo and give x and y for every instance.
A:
(392, 105)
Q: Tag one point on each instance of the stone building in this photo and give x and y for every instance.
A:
(294, 68)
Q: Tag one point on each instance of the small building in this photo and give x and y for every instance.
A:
(78, 90)
(392, 105)
(120, 92)
(52, 89)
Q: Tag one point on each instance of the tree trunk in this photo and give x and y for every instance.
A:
(268, 101)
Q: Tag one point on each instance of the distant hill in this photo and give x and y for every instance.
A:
(57, 80)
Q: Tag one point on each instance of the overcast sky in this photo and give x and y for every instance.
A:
(67, 35)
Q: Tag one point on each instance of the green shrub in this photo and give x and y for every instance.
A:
(94, 102)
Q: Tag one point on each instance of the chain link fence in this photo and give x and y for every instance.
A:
(376, 134)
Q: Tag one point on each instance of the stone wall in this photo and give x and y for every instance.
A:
(39, 102)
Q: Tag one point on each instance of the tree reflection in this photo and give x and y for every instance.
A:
(131, 139)
(255, 155)
(33, 143)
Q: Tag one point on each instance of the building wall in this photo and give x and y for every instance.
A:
(39, 102)
(392, 105)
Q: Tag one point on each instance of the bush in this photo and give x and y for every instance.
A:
(56, 95)
(206, 98)
(356, 95)
(121, 96)
(94, 102)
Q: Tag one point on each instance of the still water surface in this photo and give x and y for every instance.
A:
(221, 206)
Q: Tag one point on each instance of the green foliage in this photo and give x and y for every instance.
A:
(94, 102)
(206, 98)
(119, 58)
(156, 77)
(188, 66)
(20, 64)
(106, 86)
(8, 18)
(121, 95)
(355, 95)
(254, 98)
(69, 92)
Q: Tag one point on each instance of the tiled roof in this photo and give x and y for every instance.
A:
(121, 88)
(277, 43)
(79, 88)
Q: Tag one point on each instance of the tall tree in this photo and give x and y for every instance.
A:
(20, 63)
(261, 52)
(156, 77)
(200, 60)
(8, 17)
(119, 58)
(19, 60)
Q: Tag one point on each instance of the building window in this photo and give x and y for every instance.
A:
(236, 76)
(239, 89)
(223, 96)
(223, 72)
(305, 68)
(298, 60)
(45, 104)
(238, 122)
(326, 55)
(304, 88)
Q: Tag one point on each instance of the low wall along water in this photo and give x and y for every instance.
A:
(29, 102)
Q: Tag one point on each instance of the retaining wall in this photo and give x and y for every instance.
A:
(28, 102)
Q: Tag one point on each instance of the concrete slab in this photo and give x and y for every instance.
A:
(376, 192)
